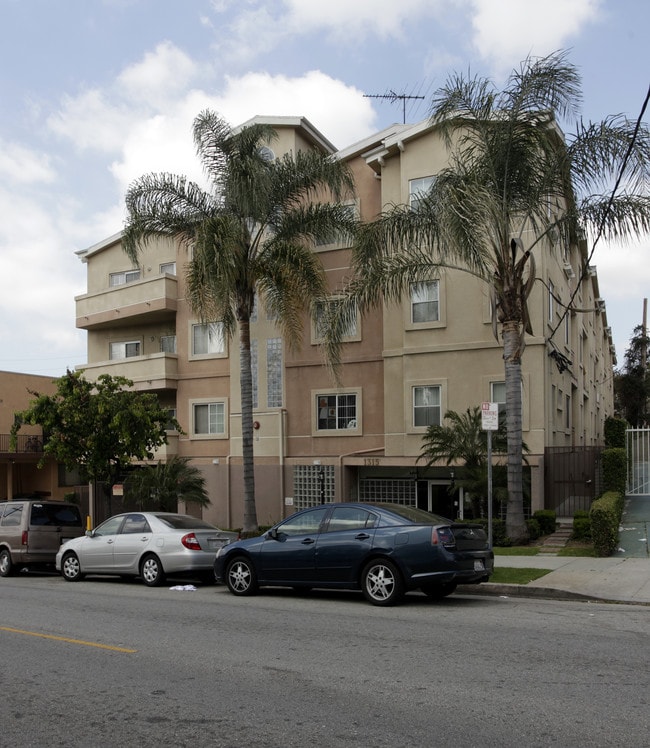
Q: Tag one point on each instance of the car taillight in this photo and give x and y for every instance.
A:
(23, 539)
(443, 536)
(190, 541)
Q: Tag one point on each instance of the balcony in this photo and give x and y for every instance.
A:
(158, 371)
(146, 301)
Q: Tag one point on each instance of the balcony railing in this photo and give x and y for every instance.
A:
(153, 299)
(24, 444)
(159, 371)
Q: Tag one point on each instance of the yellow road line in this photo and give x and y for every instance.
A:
(68, 640)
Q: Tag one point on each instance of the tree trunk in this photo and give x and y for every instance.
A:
(246, 386)
(516, 528)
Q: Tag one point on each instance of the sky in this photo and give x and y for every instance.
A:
(96, 93)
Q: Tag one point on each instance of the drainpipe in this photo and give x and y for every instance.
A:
(352, 454)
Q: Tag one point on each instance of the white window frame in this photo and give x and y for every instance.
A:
(123, 277)
(216, 342)
(337, 243)
(353, 426)
(168, 267)
(217, 409)
(116, 346)
(164, 346)
(423, 294)
(419, 408)
(418, 188)
(353, 333)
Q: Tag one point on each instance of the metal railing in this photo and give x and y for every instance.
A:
(24, 443)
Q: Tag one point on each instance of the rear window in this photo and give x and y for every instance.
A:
(184, 522)
(12, 515)
(413, 514)
(53, 515)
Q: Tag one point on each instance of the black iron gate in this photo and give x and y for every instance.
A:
(572, 478)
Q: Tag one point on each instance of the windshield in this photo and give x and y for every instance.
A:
(184, 522)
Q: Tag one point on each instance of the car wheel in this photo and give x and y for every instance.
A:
(438, 591)
(151, 571)
(382, 583)
(241, 577)
(6, 565)
(71, 568)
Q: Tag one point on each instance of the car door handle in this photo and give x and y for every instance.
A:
(307, 541)
(109, 541)
(362, 536)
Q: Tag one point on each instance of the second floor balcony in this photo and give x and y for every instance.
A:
(151, 300)
(158, 371)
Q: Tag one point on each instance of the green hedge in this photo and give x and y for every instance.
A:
(605, 516)
(615, 432)
(614, 470)
(499, 537)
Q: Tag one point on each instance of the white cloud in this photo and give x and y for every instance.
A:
(24, 166)
(507, 30)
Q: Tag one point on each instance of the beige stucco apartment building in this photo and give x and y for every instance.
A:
(404, 365)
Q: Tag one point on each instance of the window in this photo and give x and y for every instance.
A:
(171, 418)
(313, 485)
(207, 339)
(426, 405)
(551, 301)
(425, 302)
(336, 412)
(135, 524)
(498, 393)
(168, 267)
(168, 343)
(127, 276)
(124, 350)
(350, 518)
(13, 516)
(326, 308)
(274, 373)
(418, 188)
(209, 419)
(304, 524)
(351, 211)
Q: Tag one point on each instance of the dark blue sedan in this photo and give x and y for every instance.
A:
(385, 550)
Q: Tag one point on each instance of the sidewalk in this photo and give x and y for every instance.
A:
(623, 577)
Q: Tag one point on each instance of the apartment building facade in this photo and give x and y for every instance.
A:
(404, 365)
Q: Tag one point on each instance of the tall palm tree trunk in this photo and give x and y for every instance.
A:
(246, 384)
(515, 522)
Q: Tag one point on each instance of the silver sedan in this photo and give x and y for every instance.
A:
(150, 545)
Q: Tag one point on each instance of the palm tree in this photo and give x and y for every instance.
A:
(252, 237)
(161, 486)
(508, 162)
(462, 440)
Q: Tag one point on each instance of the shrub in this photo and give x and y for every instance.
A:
(534, 529)
(581, 526)
(499, 537)
(614, 470)
(605, 518)
(547, 521)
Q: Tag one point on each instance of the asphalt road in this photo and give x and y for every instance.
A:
(104, 663)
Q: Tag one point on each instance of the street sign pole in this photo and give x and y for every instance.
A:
(489, 423)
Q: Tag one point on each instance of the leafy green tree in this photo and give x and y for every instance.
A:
(252, 236)
(632, 384)
(161, 486)
(96, 428)
(511, 177)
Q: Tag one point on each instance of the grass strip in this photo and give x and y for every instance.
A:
(506, 575)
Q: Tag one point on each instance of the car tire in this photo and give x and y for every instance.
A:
(71, 568)
(382, 583)
(151, 571)
(6, 564)
(438, 591)
(241, 577)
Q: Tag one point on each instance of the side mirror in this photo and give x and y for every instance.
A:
(89, 533)
(273, 534)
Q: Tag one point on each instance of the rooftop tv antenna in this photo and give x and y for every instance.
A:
(392, 96)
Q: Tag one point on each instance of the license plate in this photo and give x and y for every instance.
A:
(213, 543)
(479, 565)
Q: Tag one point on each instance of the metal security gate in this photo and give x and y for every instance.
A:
(637, 447)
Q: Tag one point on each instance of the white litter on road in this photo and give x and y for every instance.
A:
(184, 588)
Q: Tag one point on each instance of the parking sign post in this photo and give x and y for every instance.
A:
(489, 423)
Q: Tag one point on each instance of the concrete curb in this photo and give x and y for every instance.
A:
(489, 589)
